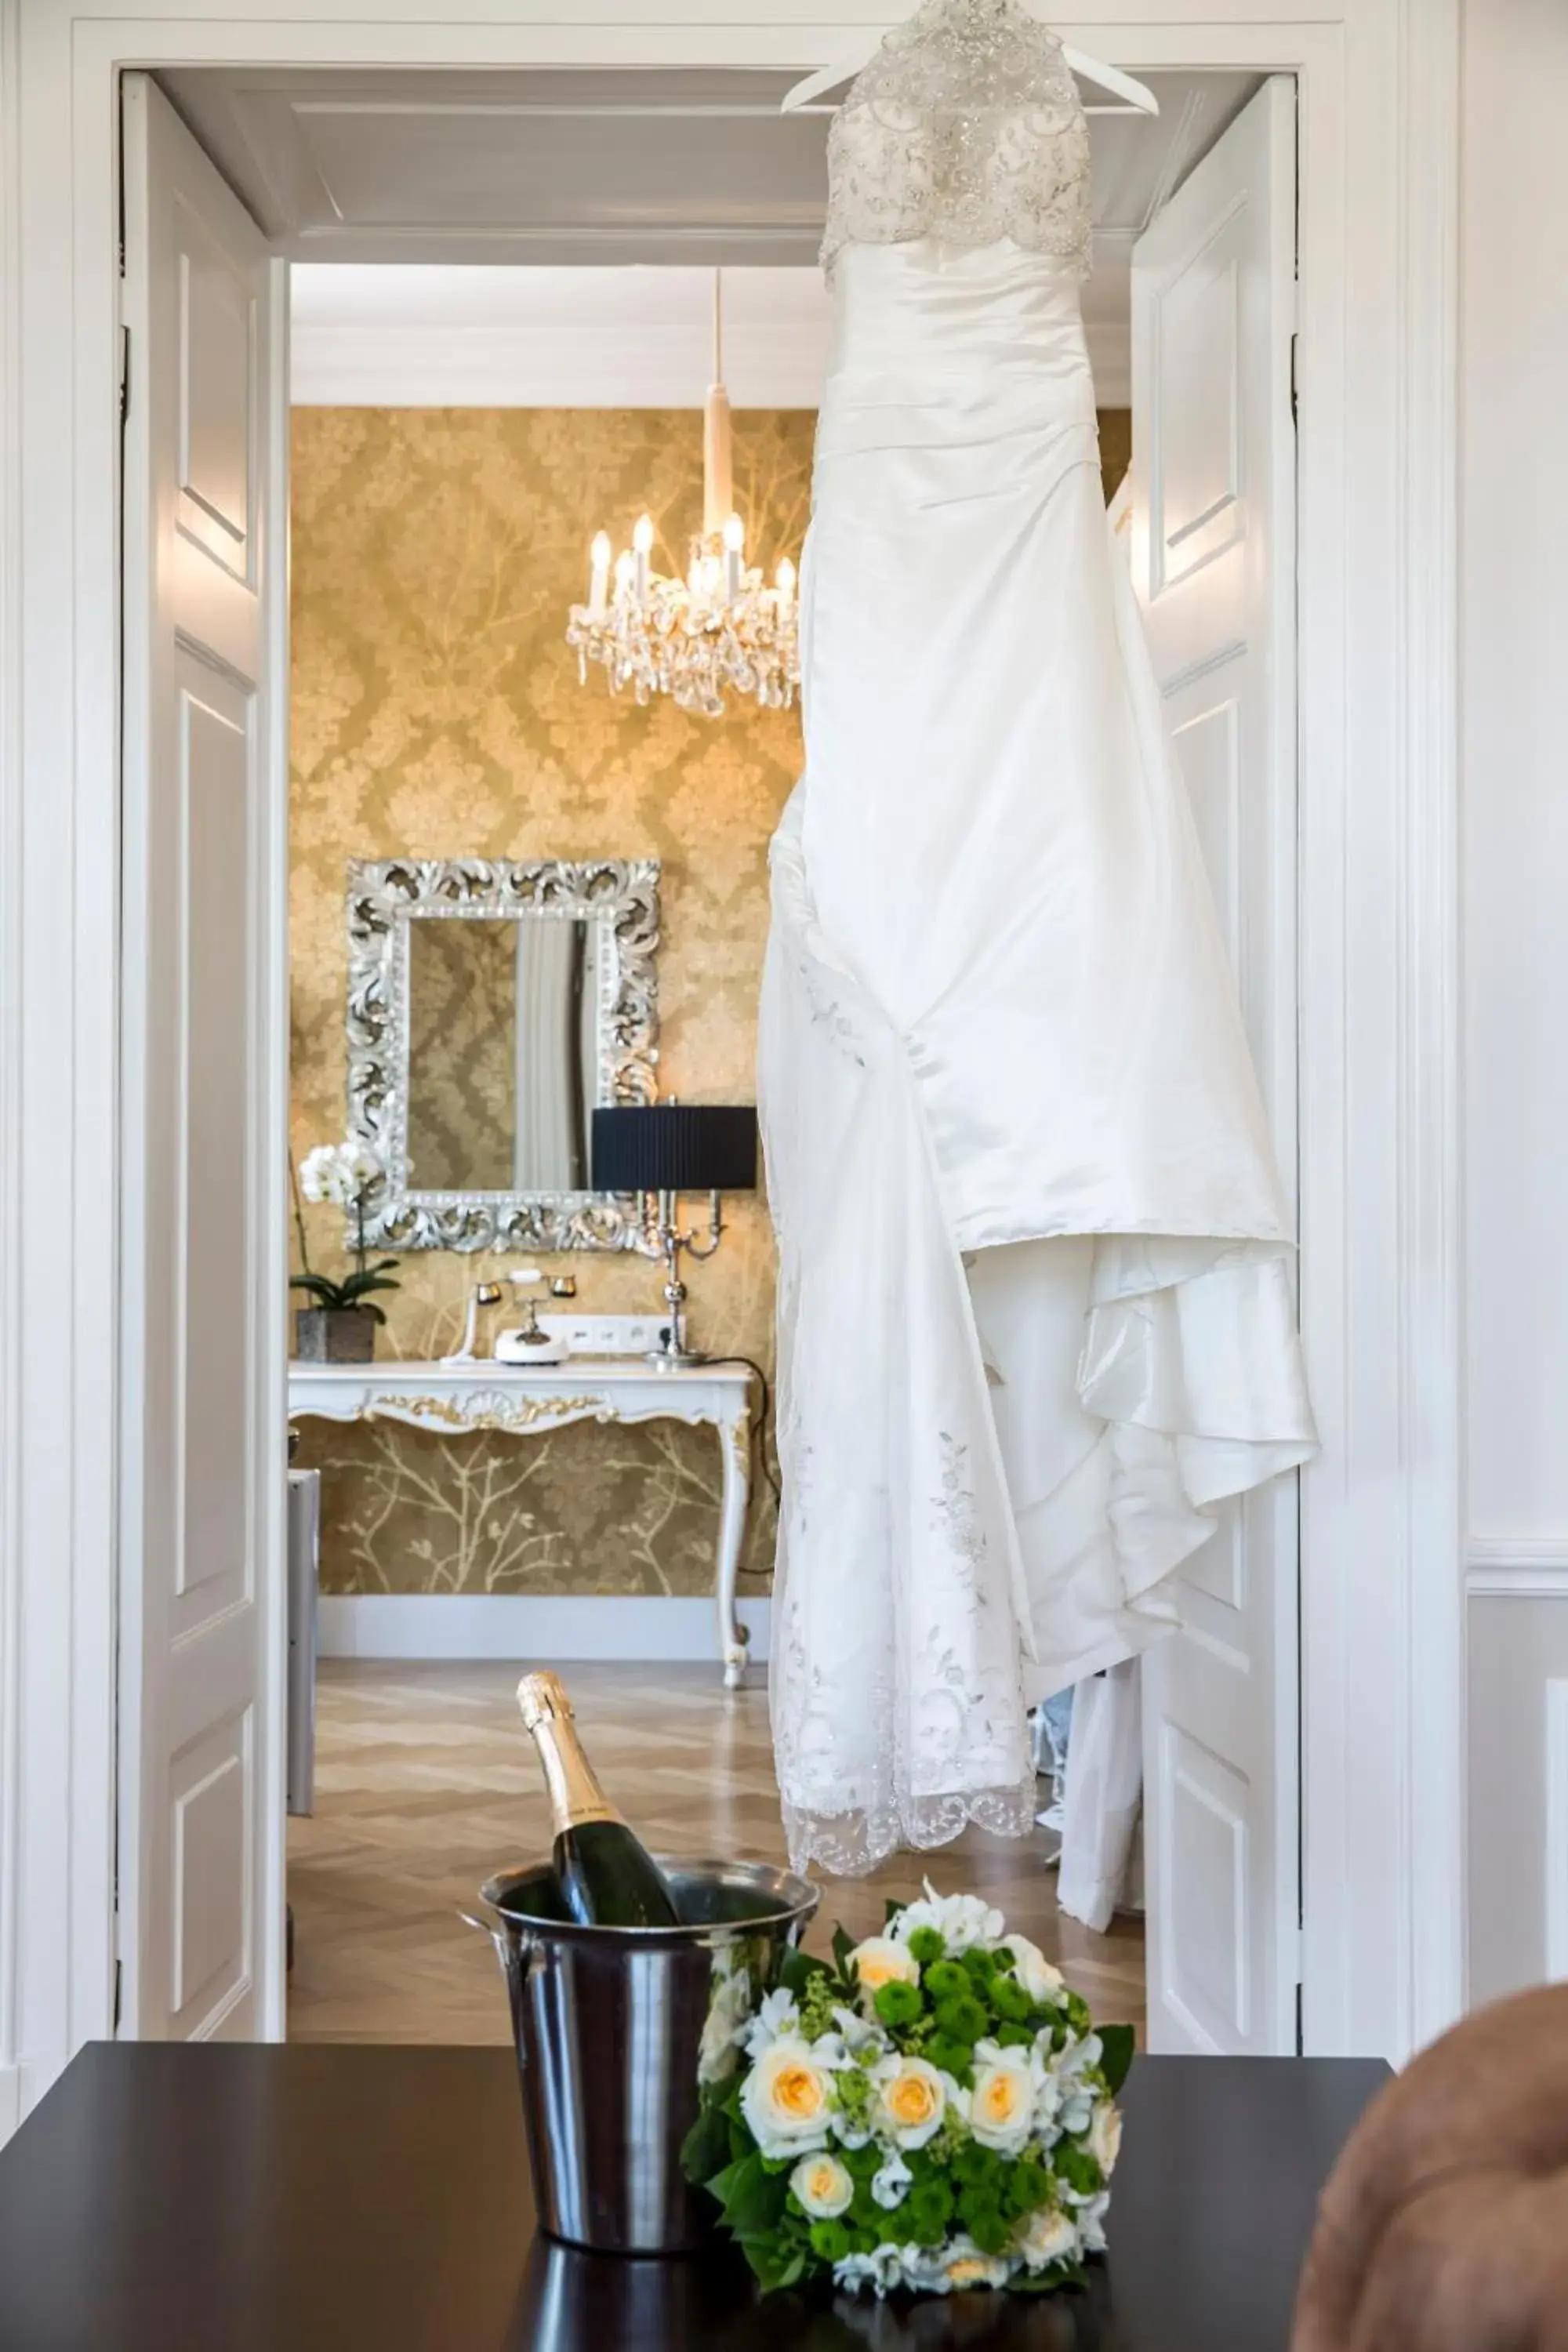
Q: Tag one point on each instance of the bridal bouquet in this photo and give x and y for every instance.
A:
(933, 2109)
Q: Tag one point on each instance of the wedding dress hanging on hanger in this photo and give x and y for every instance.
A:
(1035, 1288)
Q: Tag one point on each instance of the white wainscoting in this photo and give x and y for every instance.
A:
(1517, 1608)
(636, 1627)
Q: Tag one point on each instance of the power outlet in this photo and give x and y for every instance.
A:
(605, 1335)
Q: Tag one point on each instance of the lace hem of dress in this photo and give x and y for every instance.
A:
(848, 1845)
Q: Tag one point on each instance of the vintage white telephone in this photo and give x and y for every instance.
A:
(524, 1343)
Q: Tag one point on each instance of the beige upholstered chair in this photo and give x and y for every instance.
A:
(1444, 2227)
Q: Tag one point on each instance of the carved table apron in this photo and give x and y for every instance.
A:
(524, 1398)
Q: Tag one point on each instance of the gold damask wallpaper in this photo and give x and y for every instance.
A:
(438, 713)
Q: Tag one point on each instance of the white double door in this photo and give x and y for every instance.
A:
(204, 1070)
(203, 1097)
(1214, 554)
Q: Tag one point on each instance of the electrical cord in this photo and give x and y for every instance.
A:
(760, 1438)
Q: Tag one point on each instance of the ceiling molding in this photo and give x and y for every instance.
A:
(580, 165)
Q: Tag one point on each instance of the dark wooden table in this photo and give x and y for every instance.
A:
(245, 2198)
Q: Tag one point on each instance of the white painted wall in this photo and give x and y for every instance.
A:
(433, 336)
(1513, 621)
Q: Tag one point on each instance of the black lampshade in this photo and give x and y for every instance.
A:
(676, 1148)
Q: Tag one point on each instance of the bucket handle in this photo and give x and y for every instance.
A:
(529, 1946)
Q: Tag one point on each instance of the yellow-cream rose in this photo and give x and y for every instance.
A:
(1105, 2136)
(824, 2187)
(879, 1961)
(1039, 1980)
(785, 2099)
(970, 2268)
(1002, 2102)
(912, 2100)
(1049, 2236)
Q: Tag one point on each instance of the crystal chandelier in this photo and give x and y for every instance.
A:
(719, 629)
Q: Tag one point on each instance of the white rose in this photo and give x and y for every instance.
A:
(911, 2098)
(1105, 2136)
(961, 1920)
(879, 1961)
(785, 2099)
(889, 2186)
(1049, 2236)
(1002, 2098)
(778, 2014)
(824, 2187)
(1039, 1980)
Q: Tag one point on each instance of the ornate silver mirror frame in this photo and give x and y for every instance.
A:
(386, 895)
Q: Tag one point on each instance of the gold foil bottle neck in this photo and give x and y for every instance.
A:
(542, 1698)
(570, 1781)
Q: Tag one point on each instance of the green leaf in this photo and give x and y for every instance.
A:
(319, 1287)
(358, 1284)
(843, 1945)
(705, 2151)
(753, 2200)
(1116, 2047)
(773, 2265)
(1047, 2281)
(797, 1971)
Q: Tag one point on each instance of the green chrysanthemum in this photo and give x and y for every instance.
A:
(1028, 2184)
(897, 2004)
(961, 2018)
(1008, 1999)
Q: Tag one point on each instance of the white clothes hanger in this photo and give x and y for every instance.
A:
(1135, 96)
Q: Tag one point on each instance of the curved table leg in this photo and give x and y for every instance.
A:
(735, 1444)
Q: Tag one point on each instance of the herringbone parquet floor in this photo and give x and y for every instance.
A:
(426, 1783)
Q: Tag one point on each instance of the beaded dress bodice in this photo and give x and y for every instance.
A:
(966, 126)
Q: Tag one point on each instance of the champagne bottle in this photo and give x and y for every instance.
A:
(607, 1879)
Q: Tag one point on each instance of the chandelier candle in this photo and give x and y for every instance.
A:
(717, 630)
(606, 1877)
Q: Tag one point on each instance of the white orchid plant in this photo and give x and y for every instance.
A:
(933, 2109)
(347, 1174)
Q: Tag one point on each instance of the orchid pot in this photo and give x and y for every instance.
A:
(334, 1335)
(339, 1328)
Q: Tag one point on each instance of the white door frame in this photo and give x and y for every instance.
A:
(1382, 1705)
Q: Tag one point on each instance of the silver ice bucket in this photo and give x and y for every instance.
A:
(609, 2024)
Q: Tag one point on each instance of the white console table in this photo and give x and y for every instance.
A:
(526, 1398)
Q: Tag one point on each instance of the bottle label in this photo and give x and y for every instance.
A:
(574, 1794)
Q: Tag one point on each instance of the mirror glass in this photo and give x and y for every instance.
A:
(503, 1051)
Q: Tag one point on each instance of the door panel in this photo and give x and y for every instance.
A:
(202, 1111)
(1212, 495)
